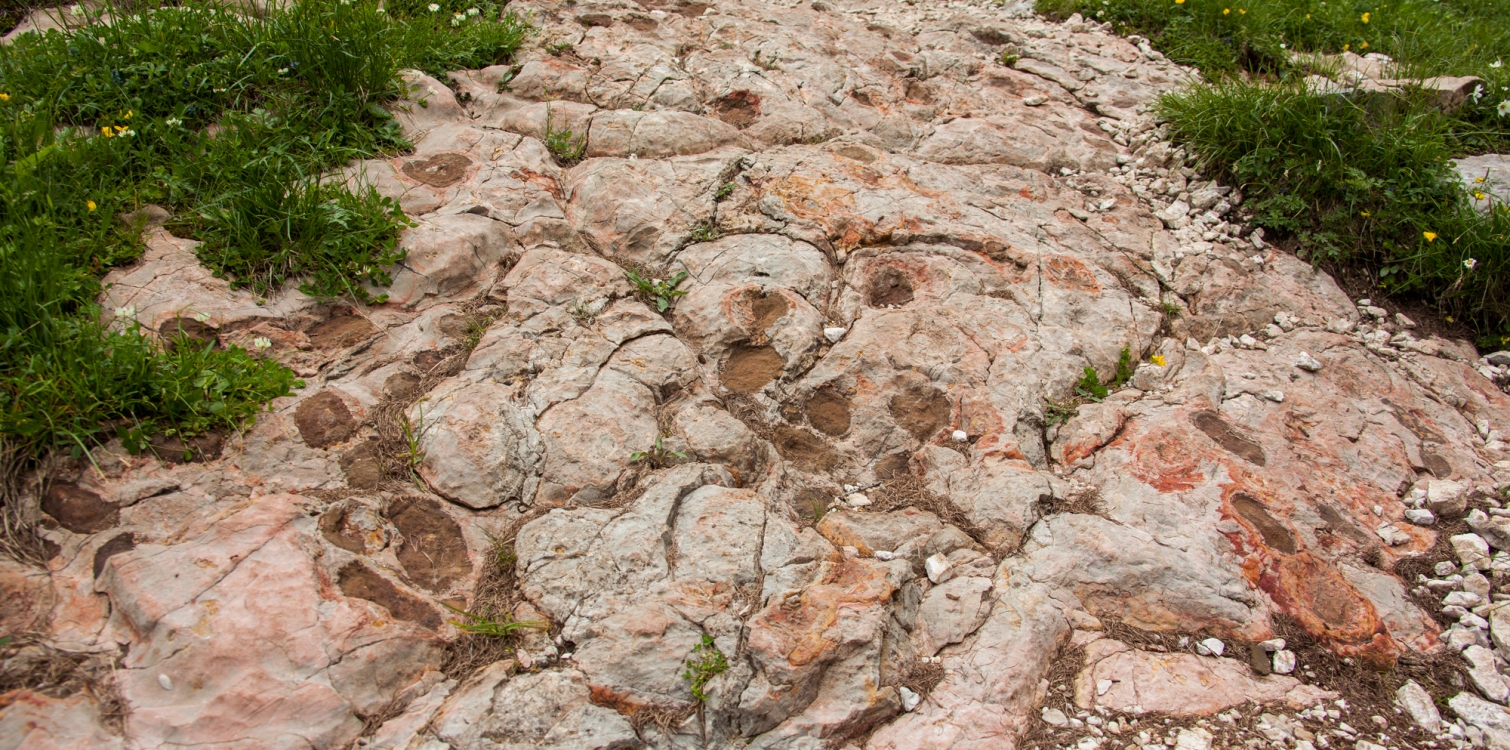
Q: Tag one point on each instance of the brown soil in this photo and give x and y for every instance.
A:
(323, 419)
(1275, 535)
(28, 663)
(641, 23)
(922, 410)
(828, 410)
(890, 287)
(740, 109)
(805, 450)
(434, 552)
(1218, 430)
(1429, 320)
(858, 153)
(340, 332)
(402, 386)
(185, 328)
(358, 580)
(176, 450)
(441, 170)
(768, 308)
(749, 368)
(333, 528)
(122, 543)
(79, 510)
(363, 466)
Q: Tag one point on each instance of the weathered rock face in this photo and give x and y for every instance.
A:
(840, 491)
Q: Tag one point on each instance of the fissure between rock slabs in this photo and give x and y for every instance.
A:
(859, 456)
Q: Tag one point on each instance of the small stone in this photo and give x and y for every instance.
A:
(960, 436)
(1306, 362)
(1034, 100)
(1284, 661)
(882, 554)
(1210, 647)
(1420, 516)
(1485, 677)
(1272, 645)
(1418, 703)
(1472, 550)
(937, 567)
(1403, 321)
(910, 700)
(1102, 686)
(1499, 359)
(1366, 745)
(1446, 498)
(1462, 599)
(1275, 396)
(834, 334)
(857, 500)
(165, 682)
(1193, 739)
(1445, 568)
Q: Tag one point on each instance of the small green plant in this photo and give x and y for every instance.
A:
(1171, 310)
(1090, 386)
(705, 232)
(413, 456)
(820, 508)
(766, 63)
(658, 455)
(1009, 59)
(496, 628)
(557, 49)
(656, 291)
(703, 664)
(562, 145)
(1058, 412)
(1124, 368)
(724, 191)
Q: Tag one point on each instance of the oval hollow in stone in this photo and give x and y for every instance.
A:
(441, 170)
(749, 368)
(890, 287)
(828, 410)
(1217, 429)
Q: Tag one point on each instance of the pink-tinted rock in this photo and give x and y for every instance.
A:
(1179, 684)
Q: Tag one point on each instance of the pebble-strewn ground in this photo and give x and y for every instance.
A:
(887, 516)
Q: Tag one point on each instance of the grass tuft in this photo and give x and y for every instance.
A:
(1362, 181)
(229, 118)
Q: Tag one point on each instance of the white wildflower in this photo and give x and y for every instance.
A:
(202, 317)
(472, 12)
(1471, 263)
(1478, 93)
(262, 342)
(173, 122)
(129, 311)
(1504, 108)
(457, 19)
(1497, 64)
(434, 8)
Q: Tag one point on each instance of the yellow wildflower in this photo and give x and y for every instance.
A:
(1365, 18)
(1363, 46)
(128, 114)
(91, 205)
(4, 97)
(1242, 12)
(107, 132)
(1365, 213)
(1430, 236)
(1157, 359)
(1226, 11)
(1346, 47)
(1308, 16)
(1478, 195)
(1179, 2)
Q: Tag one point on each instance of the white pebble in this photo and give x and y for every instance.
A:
(960, 436)
(1284, 661)
(834, 334)
(1210, 647)
(882, 554)
(165, 681)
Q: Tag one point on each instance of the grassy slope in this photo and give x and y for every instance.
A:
(1353, 182)
(105, 119)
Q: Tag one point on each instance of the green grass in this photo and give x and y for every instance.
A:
(1364, 182)
(107, 118)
